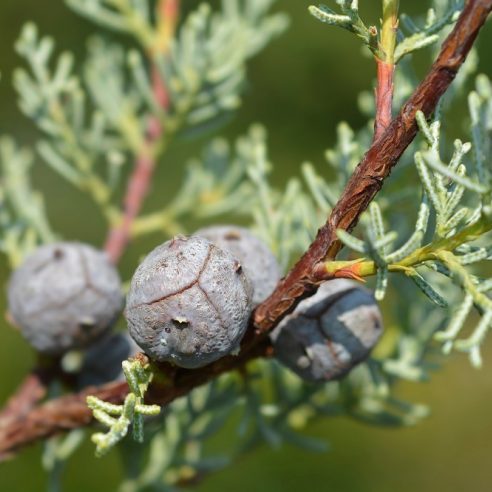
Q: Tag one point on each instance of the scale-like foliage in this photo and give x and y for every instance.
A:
(94, 121)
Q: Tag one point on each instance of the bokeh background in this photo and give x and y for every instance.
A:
(300, 87)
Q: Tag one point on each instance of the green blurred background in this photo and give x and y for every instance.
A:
(303, 84)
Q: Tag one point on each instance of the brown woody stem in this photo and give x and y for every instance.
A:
(386, 67)
(376, 166)
(141, 177)
(32, 390)
(70, 412)
(384, 97)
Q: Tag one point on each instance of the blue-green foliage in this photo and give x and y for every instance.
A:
(93, 123)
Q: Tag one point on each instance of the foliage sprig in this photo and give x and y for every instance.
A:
(350, 20)
(118, 418)
(23, 220)
(453, 239)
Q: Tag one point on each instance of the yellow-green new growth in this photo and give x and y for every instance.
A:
(118, 418)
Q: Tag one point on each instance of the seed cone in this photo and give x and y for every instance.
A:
(64, 296)
(329, 333)
(258, 261)
(189, 303)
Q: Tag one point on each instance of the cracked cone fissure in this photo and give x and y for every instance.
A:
(255, 257)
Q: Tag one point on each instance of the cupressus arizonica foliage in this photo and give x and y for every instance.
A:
(184, 77)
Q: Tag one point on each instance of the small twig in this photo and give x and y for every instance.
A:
(375, 167)
(140, 179)
(384, 97)
(362, 267)
(138, 187)
(386, 68)
(71, 411)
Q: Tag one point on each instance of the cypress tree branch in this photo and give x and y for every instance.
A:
(34, 387)
(140, 179)
(386, 68)
(375, 167)
(71, 411)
